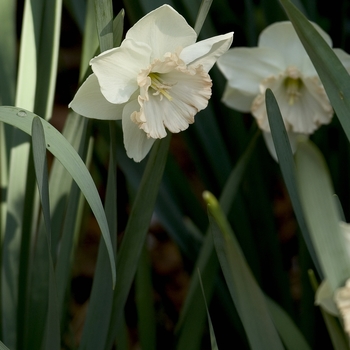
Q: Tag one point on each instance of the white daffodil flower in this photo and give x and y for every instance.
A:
(156, 80)
(280, 63)
(337, 303)
(342, 294)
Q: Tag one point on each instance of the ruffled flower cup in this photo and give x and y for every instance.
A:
(156, 80)
(281, 64)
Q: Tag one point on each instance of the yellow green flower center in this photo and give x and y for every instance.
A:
(160, 87)
(293, 87)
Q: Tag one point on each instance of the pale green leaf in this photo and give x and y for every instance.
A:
(52, 329)
(66, 154)
(7, 52)
(28, 54)
(3, 346)
(69, 210)
(41, 172)
(104, 20)
(202, 15)
(101, 298)
(332, 73)
(321, 212)
(13, 257)
(14, 265)
(90, 38)
(47, 58)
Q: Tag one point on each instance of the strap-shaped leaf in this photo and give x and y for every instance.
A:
(104, 21)
(214, 345)
(191, 322)
(101, 298)
(245, 292)
(136, 230)
(286, 162)
(321, 212)
(202, 15)
(42, 177)
(332, 73)
(52, 336)
(69, 158)
(3, 346)
(8, 51)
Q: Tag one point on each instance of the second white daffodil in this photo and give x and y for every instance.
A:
(280, 63)
(156, 80)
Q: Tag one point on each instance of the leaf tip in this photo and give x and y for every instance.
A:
(210, 199)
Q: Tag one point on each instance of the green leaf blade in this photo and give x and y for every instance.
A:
(61, 149)
(332, 73)
(101, 298)
(191, 323)
(245, 293)
(40, 164)
(136, 230)
(321, 213)
(286, 162)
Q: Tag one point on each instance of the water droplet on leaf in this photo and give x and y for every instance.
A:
(22, 113)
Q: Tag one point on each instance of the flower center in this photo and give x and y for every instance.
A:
(160, 87)
(293, 87)
(186, 89)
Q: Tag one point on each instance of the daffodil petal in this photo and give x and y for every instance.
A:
(345, 229)
(281, 36)
(258, 107)
(89, 102)
(238, 99)
(324, 298)
(293, 140)
(206, 52)
(149, 81)
(311, 109)
(136, 142)
(343, 57)
(245, 68)
(303, 110)
(153, 111)
(117, 69)
(164, 30)
(189, 93)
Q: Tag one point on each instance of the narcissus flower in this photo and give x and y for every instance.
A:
(336, 302)
(156, 80)
(280, 63)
